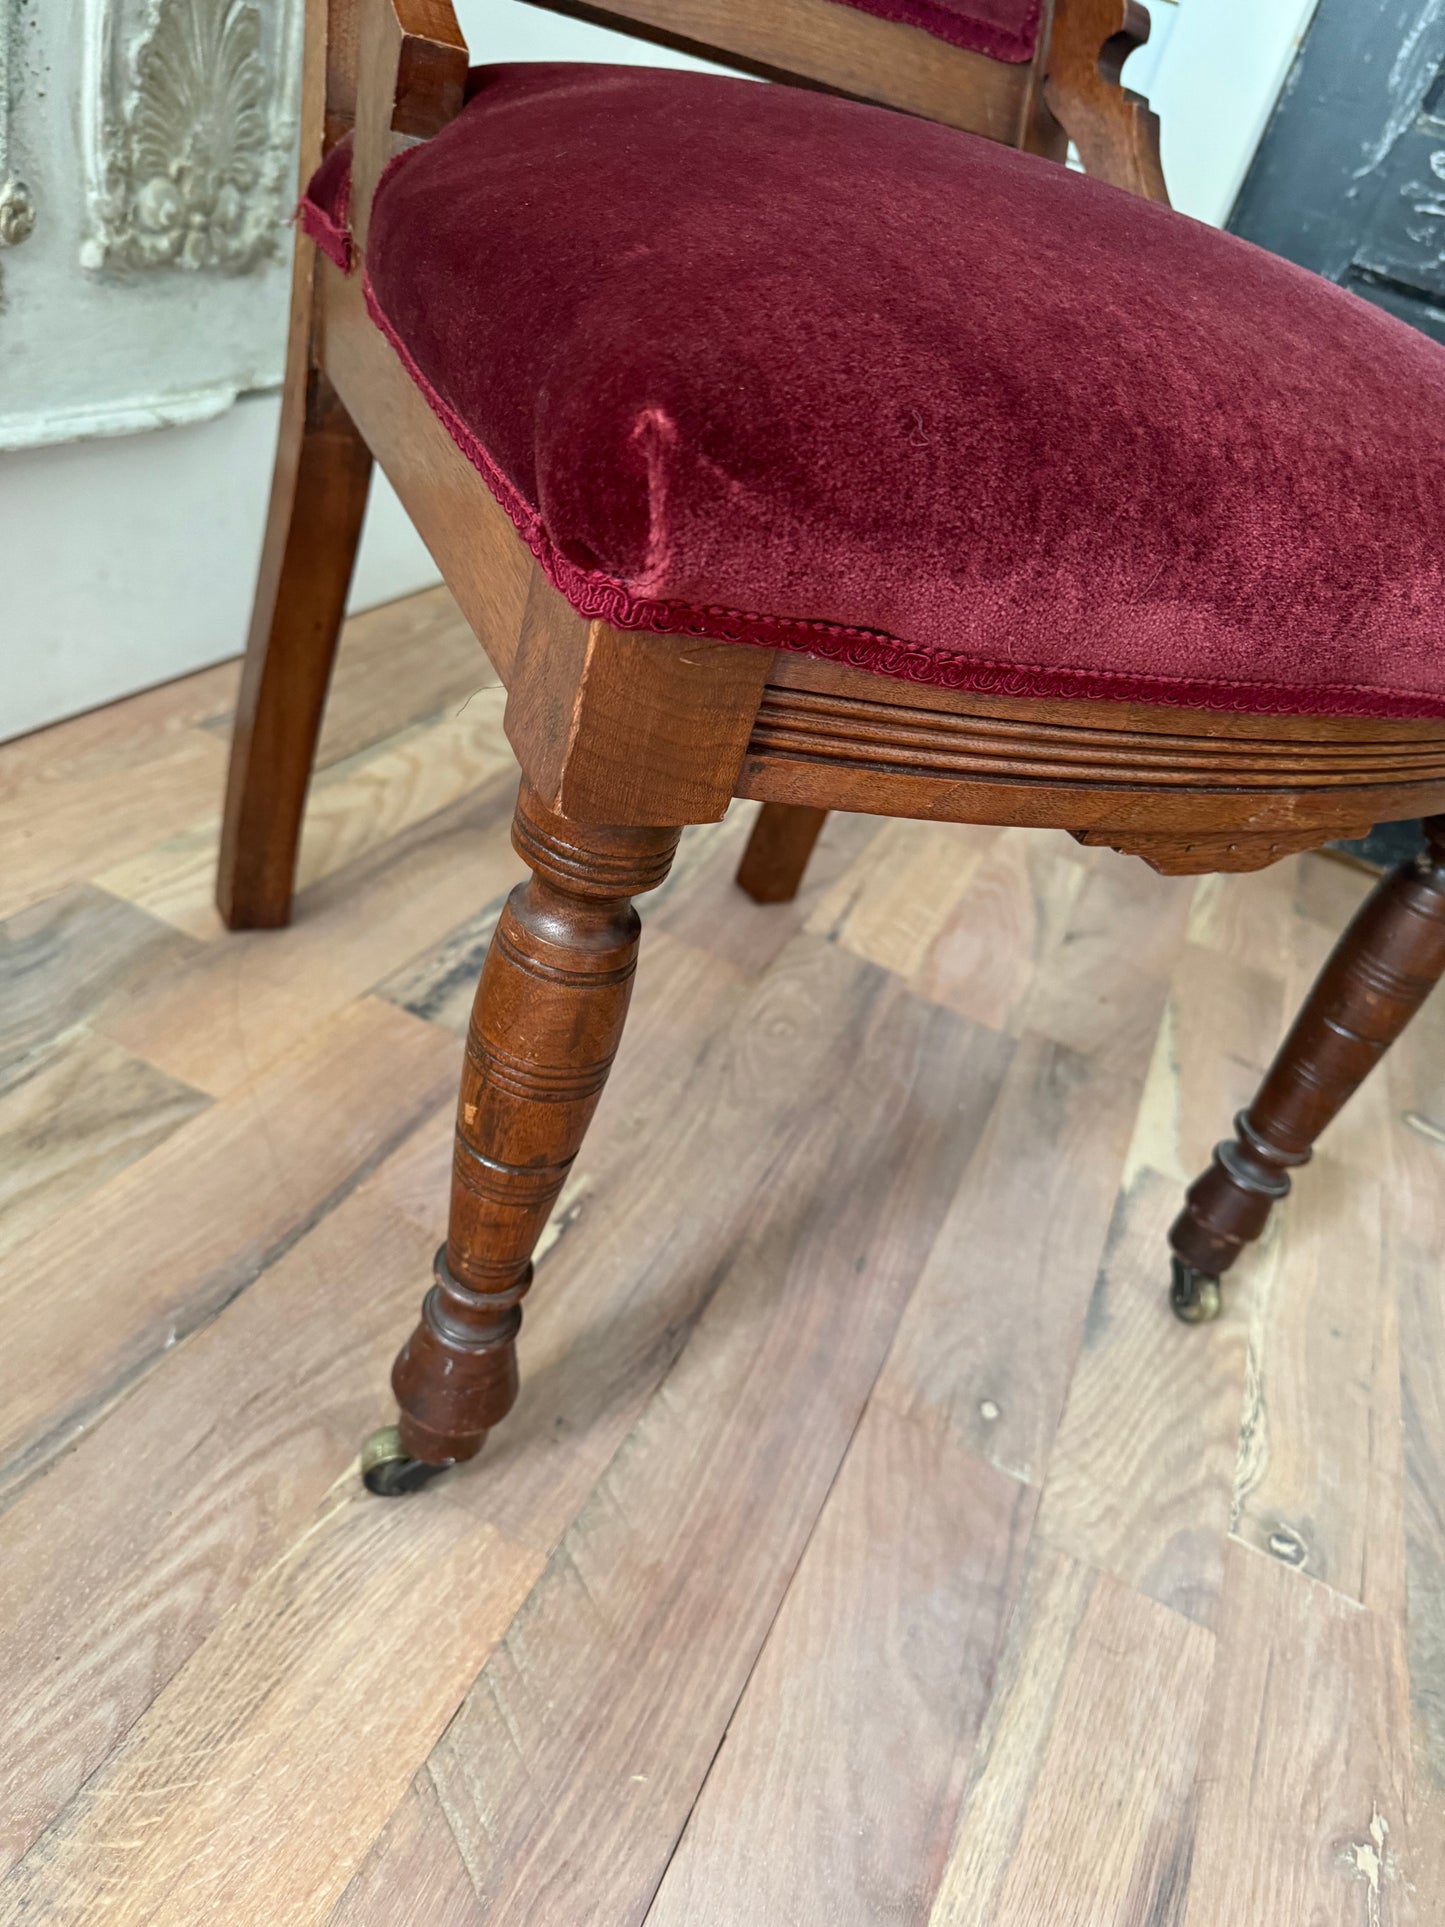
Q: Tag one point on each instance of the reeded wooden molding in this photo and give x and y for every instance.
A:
(1376, 979)
(1048, 745)
(545, 1029)
(1186, 790)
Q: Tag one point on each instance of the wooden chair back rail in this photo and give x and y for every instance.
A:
(818, 43)
(1071, 89)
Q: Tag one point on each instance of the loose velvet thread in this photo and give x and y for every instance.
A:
(600, 597)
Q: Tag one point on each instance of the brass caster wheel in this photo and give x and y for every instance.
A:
(388, 1471)
(1193, 1294)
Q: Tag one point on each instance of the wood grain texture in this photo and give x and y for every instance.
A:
(95, 1300)
(1114, 130)
(1322, 1488)
(1415, 1235)
(72, 1119)
(623, 1282)
(1192, 1085)
(988, 1342)
(778, 850)
(880, 909)
(261, 1715)
(416, 1876)
(483, 564)
(411, 75)
(763, 1568)
(1304, 1785)
(108, 1585)
(686, 1546)
(545, 1029)
(402, 663)
(612, 726)
(699, 902)
(120, 737)
(57, 830)
(69, 961)
(845, 1761)
(318, 500)
(985, 960)
(234, 1007)
(1101, 988)
(1144, 1489)
(354, 806)
(319, 488)
(1231, 794)
(1080, 1809)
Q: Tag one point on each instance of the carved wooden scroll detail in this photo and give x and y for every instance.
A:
(1116, 131)
(1194, 854)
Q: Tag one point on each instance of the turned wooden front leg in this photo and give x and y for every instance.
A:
(1377, 977)
(545, 1028)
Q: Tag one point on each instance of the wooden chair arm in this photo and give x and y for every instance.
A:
(1115, 131)
(411, 80)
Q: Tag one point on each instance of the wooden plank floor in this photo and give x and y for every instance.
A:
(869, 1544)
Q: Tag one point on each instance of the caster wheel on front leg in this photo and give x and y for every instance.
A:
(388, 1470)
(1193, 1294)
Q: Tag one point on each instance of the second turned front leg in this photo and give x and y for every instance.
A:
(545, 1028)
(1379, 974)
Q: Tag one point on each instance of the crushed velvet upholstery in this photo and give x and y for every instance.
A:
(1003, 29)
(761, 364)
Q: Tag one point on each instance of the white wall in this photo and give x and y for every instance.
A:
(131, 560)
(1212, 70)
(126, 561)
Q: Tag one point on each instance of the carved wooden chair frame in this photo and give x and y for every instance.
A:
(623, 739)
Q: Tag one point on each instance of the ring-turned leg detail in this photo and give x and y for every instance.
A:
(1379, 974)
(545, 1028)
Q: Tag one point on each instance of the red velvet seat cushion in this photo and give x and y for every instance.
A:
(1003, 29)
(760, 364)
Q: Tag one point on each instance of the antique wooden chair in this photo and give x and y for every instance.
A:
(780, 446)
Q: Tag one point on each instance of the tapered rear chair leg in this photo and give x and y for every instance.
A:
(545, 1028)
(778, 850)
(1377, 977)
(318, 498)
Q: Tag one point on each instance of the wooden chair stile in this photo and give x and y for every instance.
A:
(624, 738)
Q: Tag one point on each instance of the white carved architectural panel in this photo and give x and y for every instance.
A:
(189, 137)
(150, 287)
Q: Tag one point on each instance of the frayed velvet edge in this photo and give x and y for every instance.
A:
(333, 240)
(998, 43)
(599, 597)
(330, 227)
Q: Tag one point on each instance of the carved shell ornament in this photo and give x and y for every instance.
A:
(194, 162)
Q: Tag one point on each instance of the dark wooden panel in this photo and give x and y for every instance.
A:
(1348, 178)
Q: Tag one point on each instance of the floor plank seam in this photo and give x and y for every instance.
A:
(21, 1472)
